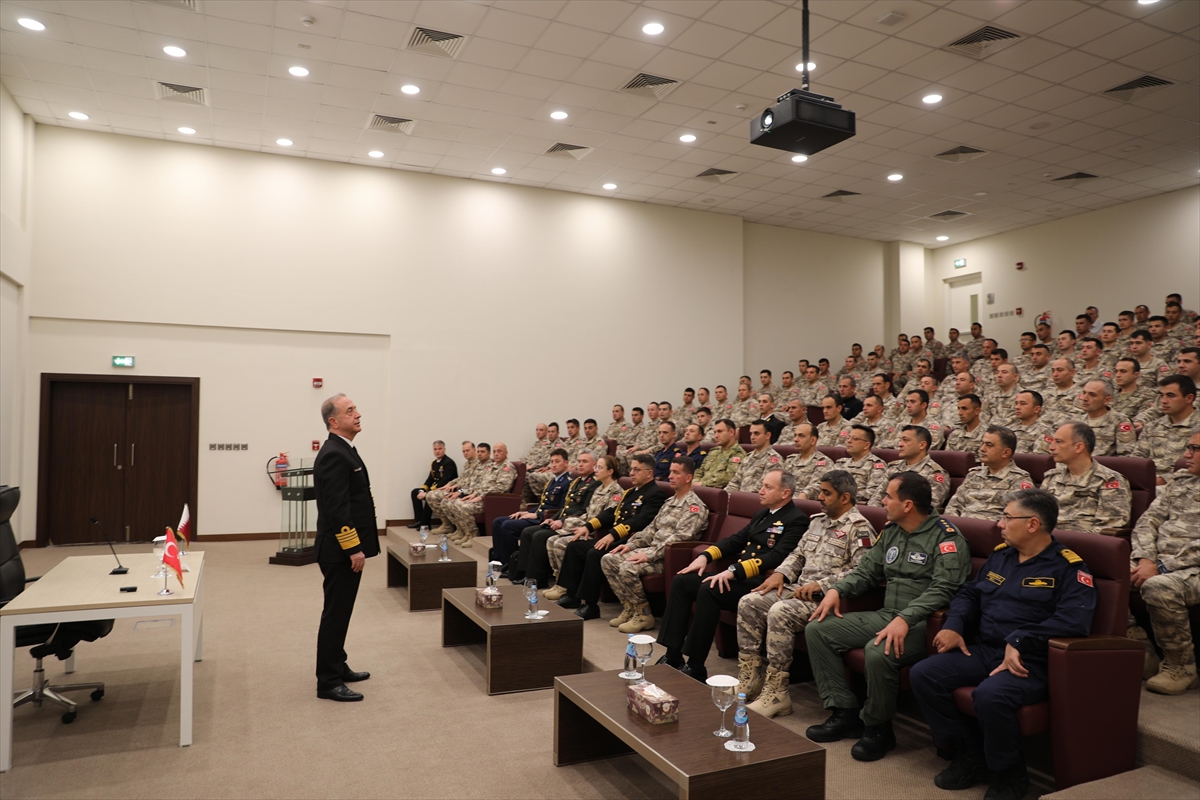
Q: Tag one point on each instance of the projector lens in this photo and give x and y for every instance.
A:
(767, 118)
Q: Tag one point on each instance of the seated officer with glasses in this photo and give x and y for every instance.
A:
(1030, 590)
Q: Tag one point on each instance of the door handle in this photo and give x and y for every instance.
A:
(115, 464)
(132, 454)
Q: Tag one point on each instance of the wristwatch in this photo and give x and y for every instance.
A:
(733, 568)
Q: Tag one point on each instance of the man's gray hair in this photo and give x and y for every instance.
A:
(329, 407)
(1108, 388)
(786, 479)
(437, 442)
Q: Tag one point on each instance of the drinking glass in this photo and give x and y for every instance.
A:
(160, 547)
(723, 687)
(643, 648)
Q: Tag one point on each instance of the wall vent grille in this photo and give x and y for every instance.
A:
(983, 42)
(646, 85)
(178, 93)
(570, 151)
(435, 43)
(392, 124)
(1138, 88)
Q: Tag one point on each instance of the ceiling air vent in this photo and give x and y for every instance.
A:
(1074, 179)
(716, 175)
(392, 124)
(983, 42)
(957, 155)
(946, 216)
(839, 196)
(571, 151)
(178, 93)
(182, 5)
(645, 85)
(1137, 88)
(435, 43)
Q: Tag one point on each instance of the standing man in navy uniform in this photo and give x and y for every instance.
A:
(347, 535)
(1030, 590)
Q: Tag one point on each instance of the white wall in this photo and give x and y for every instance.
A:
(808, 295)
(1113, 259)
(501, 305)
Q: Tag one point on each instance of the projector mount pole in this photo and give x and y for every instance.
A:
(804, 44)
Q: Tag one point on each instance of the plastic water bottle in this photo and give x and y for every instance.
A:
(741, 726)
(631, 664)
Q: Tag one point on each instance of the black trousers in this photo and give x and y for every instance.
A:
(341, 589)
(532, 559)
(422, 513)
(695, 641)
(580, 572)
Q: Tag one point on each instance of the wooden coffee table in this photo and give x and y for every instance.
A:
(522, 654)
(424, 575)
(592, 721)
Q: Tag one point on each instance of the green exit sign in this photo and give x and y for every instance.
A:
(959, 263)
(123, 361)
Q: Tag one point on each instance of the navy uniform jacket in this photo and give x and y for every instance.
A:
(1025, 604)
(637, 509)
(764, 543)
(697, 456)
(441, 471)
(578, 497)
(662, 460)
(346, 521)
(553, 495)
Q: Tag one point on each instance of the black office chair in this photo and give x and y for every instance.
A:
(47, 639)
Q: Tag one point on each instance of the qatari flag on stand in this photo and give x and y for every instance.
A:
(185, 526)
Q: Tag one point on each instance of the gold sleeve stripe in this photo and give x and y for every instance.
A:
(348, 538)
(621, 530)
(751, 566)
(594, 524)
(713, 552)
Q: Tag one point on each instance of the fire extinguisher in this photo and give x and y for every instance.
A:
(281, 465)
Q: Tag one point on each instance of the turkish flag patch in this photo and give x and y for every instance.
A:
(947, 547)
(774, 460)
(1084, 578)
(939, 477)
(880, 465)
(735, 460)
(1124, 427)
(694, 509)
(1049, 438)
(844, 433)
(1113, 485)
(1026, 485)
(506, 469)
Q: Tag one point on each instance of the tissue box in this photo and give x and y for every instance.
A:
(417, 549)
(489, 598)
(653, 704)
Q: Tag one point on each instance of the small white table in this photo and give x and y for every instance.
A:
(80, 588)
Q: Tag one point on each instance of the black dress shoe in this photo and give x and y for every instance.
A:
(566, 601)
(875, 743)
(355, 677)
(843, 723)
(967, 769)
(587, 611)
(341, 693)
(1010, 783)
(697, 671)
(413, 526)
(674, 662)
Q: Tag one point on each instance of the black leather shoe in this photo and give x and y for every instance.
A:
(566, 601)
(1010, 783)
(875, 743)
(672, 661)
(697, 671)
(967, 769)
(341, 693)
(587, 611)
(843, 723)
(413, 526)
(355, 677)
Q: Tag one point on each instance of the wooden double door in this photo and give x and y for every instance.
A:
(121, 451)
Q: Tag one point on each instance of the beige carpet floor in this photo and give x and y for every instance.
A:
(426, 728)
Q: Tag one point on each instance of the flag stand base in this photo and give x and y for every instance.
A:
(165, 590)
(295, 557)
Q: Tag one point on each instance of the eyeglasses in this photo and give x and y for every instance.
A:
(1010, 517)
(1191, 448)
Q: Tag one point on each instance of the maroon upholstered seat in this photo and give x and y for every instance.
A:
(612, 446)
(815, 415)
(833, 452)
(956, 463)
(744, 434)
(1143, 481)
(886, 453)
(501, 505)
(1036, 464)
(785, 450)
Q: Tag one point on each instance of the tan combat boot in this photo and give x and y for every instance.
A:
(446, 527)
(1174, 678)
(642, 620)
(775, 700)
(625, 615)
(750, 678)
(555, 592)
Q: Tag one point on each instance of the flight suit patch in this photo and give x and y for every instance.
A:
(1037, 583)
(918, 558)
(892, 553)
(994, 578)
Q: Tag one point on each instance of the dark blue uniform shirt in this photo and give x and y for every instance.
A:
(553, 494)
(662, 460)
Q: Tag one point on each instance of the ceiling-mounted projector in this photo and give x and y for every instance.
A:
(802, 122)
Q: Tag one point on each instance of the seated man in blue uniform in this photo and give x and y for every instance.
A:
(1030, 590)
(506, 531)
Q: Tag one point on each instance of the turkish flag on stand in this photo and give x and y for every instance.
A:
(185, 525)
(171, 556)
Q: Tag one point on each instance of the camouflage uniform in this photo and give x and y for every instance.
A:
(539, 454)
(958, 349)
(936, 431)
(902, 364)
(868, 473)
(680, 519)
(812, 394)
(770, 389)
(998, 406)
(1166, 349)
(1152, 372)
(833, 435)
(624, 432)
(1096, 373)
(827, 552)
(829, 381)
(966, 441)
(751, 469)
(596, 446)
(807, 470)
(464, 483)
(985, 376)
(684, 416)
(721, 410)
(884, 427)
(745, 412)
(932, 471)
(1115, 435)
(603, 499)
(1162, 441)
(462, 514)
(980, 495)
(1097, 501)
(787, 395)
(1060, 406)
(719, 466)
(1035, 438)
(975, 348)
(1131, 404)
(1035, 379)
(1168, 533)
(936, 349)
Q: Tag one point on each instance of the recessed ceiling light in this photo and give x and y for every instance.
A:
(408, 88)
(799, 159)
(498, 170)
(610, 186)
(299, 72)
(172, 50)
(981, 194)
(943, 238)
(376, 154)
(32, 24)
(811, 66)
(284, 142)
(653, 28)
(1147, 2)
(930, 99)
(687, 138)
(558, 115)
(895, 176)
(186, 130)
(79, 115)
